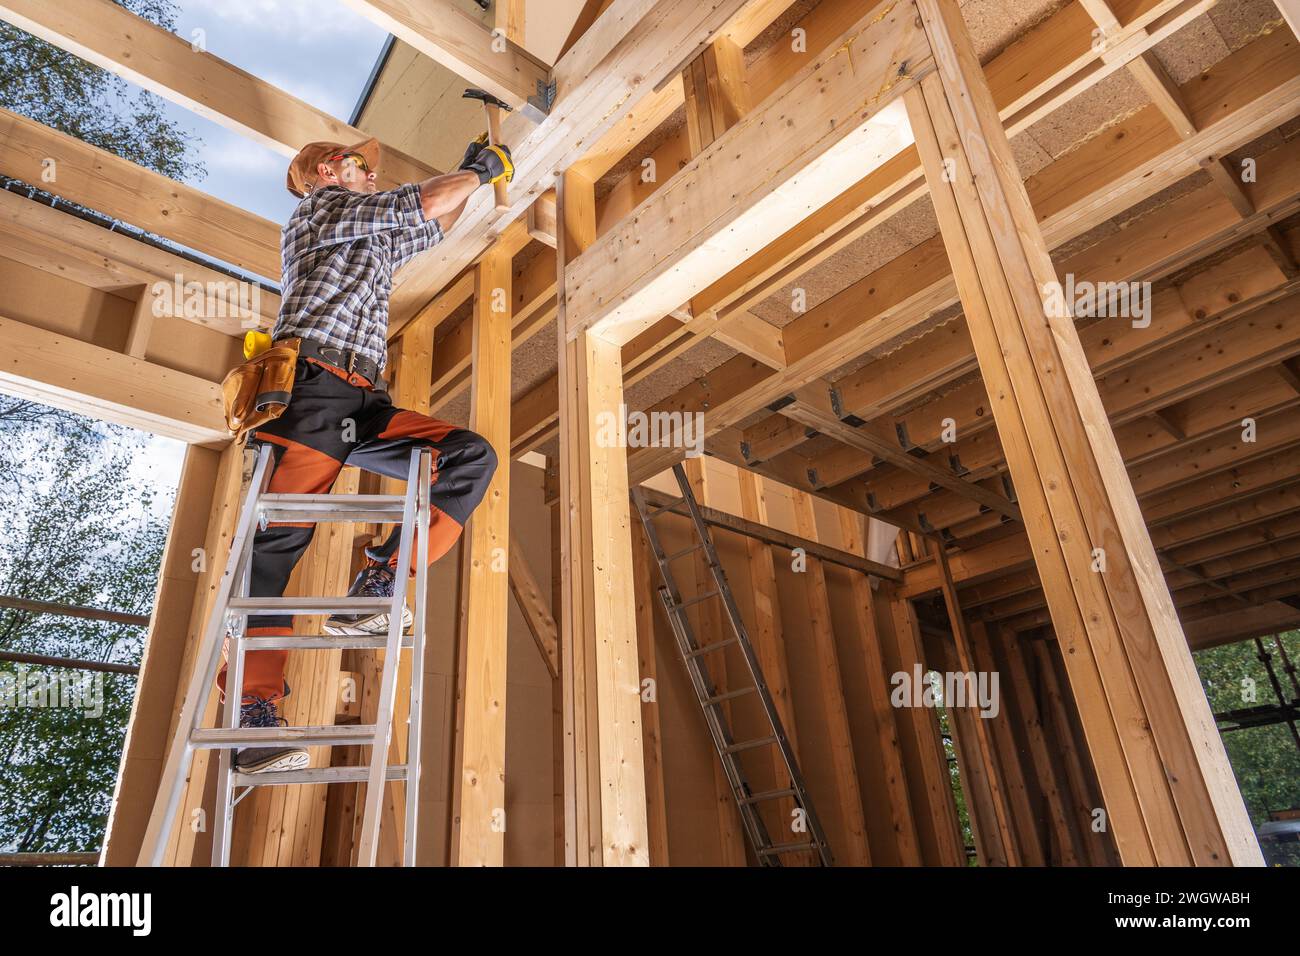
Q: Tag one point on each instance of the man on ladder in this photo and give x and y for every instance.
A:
(339, 250)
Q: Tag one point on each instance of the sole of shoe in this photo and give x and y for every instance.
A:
(369, 626)
(277, 763)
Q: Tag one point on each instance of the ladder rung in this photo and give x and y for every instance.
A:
(668, 507)
(709, 648)
(227, 738)
(383, 508)
(309, 605)
(776, 848)
(730, 695)
(321, 642)
(684, 552)
(749, 745)
(696, 600)
(768, 795)
(314, 775)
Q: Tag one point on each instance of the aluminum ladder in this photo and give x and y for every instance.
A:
(230, 612)
(693, 654)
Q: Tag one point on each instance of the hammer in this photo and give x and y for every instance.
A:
(493, 107)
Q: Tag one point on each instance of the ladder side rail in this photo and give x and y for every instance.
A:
(224, 811)
(369, 849)
(751, 661)
(719, 730)
(773, 715)
(204, 672)
(415, 715)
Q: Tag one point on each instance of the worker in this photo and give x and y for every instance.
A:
(339, 250)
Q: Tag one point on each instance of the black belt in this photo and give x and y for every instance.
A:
(345, 359)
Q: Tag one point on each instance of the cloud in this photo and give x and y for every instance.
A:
(301, 21)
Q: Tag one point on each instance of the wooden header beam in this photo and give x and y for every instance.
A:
(791, 155)
(111, 37)
(630, 49)
(448, 34)
(118, 188)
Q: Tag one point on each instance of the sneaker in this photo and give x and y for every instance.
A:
(259, 712)
(375, 580)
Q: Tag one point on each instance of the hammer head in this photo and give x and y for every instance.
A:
(487, 98)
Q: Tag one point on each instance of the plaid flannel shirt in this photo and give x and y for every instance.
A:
(339, 250)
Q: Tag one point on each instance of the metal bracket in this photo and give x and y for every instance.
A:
(538, 106)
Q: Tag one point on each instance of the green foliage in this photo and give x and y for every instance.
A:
(1265, 760)
(66, 93)
(82, 530)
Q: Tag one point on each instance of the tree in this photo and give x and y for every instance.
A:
(1265, 760)
(66, 93)
(82, 530)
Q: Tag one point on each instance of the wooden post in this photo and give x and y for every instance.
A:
(980, 742)
(604, 763)
(479, 814)
(647, 596)
(1007, 753)
(145, 747)
(933, 805)
(852, 850)
(768, 640)
(709, 630)
(1167, 784)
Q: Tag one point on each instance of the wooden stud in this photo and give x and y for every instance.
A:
(479, 818)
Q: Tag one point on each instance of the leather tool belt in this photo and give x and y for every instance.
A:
(259, 390)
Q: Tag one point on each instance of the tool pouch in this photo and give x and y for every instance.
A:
(259, 390)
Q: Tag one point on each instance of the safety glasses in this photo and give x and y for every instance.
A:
(356, 159)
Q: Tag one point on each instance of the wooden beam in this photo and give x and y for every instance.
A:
(177, 593)
(1177, 802)
(58, 370)
(480, 799)
(528, 595)
(647, 598)
(1000, 846)
(769, 641)
(627, 52)
(448, 34)
(777, 537)
(873, 665)
(852, 847)
(928, 780)
(119, 188)
(709, 629)
(111, 37)
(830, 131)
(66, 245)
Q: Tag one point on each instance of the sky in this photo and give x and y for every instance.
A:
(318, 50)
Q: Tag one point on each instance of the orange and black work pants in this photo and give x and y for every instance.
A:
(335, 419)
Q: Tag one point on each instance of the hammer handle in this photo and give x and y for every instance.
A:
(494, 137)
